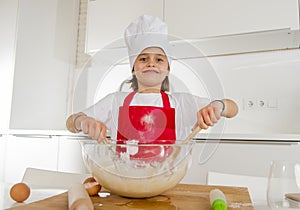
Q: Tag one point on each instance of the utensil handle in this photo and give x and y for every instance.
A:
(78, 198)
(192, 135)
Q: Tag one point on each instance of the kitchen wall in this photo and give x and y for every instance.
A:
(269, 77)
(265, 86)
(254, 69)
(270, 81)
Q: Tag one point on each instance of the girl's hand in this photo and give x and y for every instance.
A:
(93, 128)
(209, 115)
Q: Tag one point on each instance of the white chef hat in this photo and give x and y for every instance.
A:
(146, 31)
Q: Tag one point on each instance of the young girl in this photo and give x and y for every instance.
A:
(149, 114)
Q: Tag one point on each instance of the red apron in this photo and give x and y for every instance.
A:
(147, 124)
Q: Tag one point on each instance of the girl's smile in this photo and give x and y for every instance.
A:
(151, 68)
(150, 71)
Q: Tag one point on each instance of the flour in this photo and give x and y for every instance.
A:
(133, 172)
(137, 183)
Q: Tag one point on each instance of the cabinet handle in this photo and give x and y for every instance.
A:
(39, 136)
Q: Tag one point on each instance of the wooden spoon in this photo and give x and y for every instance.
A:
(187, 140)
(192, 135)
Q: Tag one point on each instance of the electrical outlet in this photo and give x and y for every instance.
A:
(261, 103)
(249, 103)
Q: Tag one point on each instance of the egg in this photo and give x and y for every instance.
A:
(92, 186)
(19, 192)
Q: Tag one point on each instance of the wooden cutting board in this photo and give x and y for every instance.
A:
(183, 196)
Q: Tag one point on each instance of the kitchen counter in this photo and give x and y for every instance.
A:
(183, 196)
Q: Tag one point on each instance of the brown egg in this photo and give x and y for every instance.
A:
(19, 192)
(92, 186)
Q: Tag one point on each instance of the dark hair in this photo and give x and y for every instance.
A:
(165, 86)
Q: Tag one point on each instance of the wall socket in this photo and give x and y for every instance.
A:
(249, 103)
(260, 103)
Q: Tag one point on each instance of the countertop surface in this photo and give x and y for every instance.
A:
(183, 196)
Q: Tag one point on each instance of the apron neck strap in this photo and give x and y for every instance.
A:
(165, 99)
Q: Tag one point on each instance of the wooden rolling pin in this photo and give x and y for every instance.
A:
(78, 198)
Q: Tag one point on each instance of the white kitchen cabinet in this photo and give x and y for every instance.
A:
(46, 39)
(251, 159)
(70, 156)
(8, 22)
(63, 153)
(23, 151)
(2, 156)
(194, 19)
(107, 20)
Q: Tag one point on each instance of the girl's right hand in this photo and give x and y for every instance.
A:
(93, 128)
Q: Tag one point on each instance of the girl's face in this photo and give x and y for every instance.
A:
(151, 68)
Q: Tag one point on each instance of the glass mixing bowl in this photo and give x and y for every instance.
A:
(137, 170)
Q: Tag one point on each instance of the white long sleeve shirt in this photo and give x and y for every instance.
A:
(186, 107)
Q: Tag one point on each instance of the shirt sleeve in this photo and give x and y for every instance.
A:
(100, 110)
(106, 110)
(186, 108)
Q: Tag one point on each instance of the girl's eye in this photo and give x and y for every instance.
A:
(160, 60)
(143, 59)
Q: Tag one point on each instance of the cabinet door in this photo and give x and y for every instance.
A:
(192, 19)
(44, 58)
(70, 156)
(8, 22)
(107, 20)
(31, 151)
(2, 156)
(237, 158)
